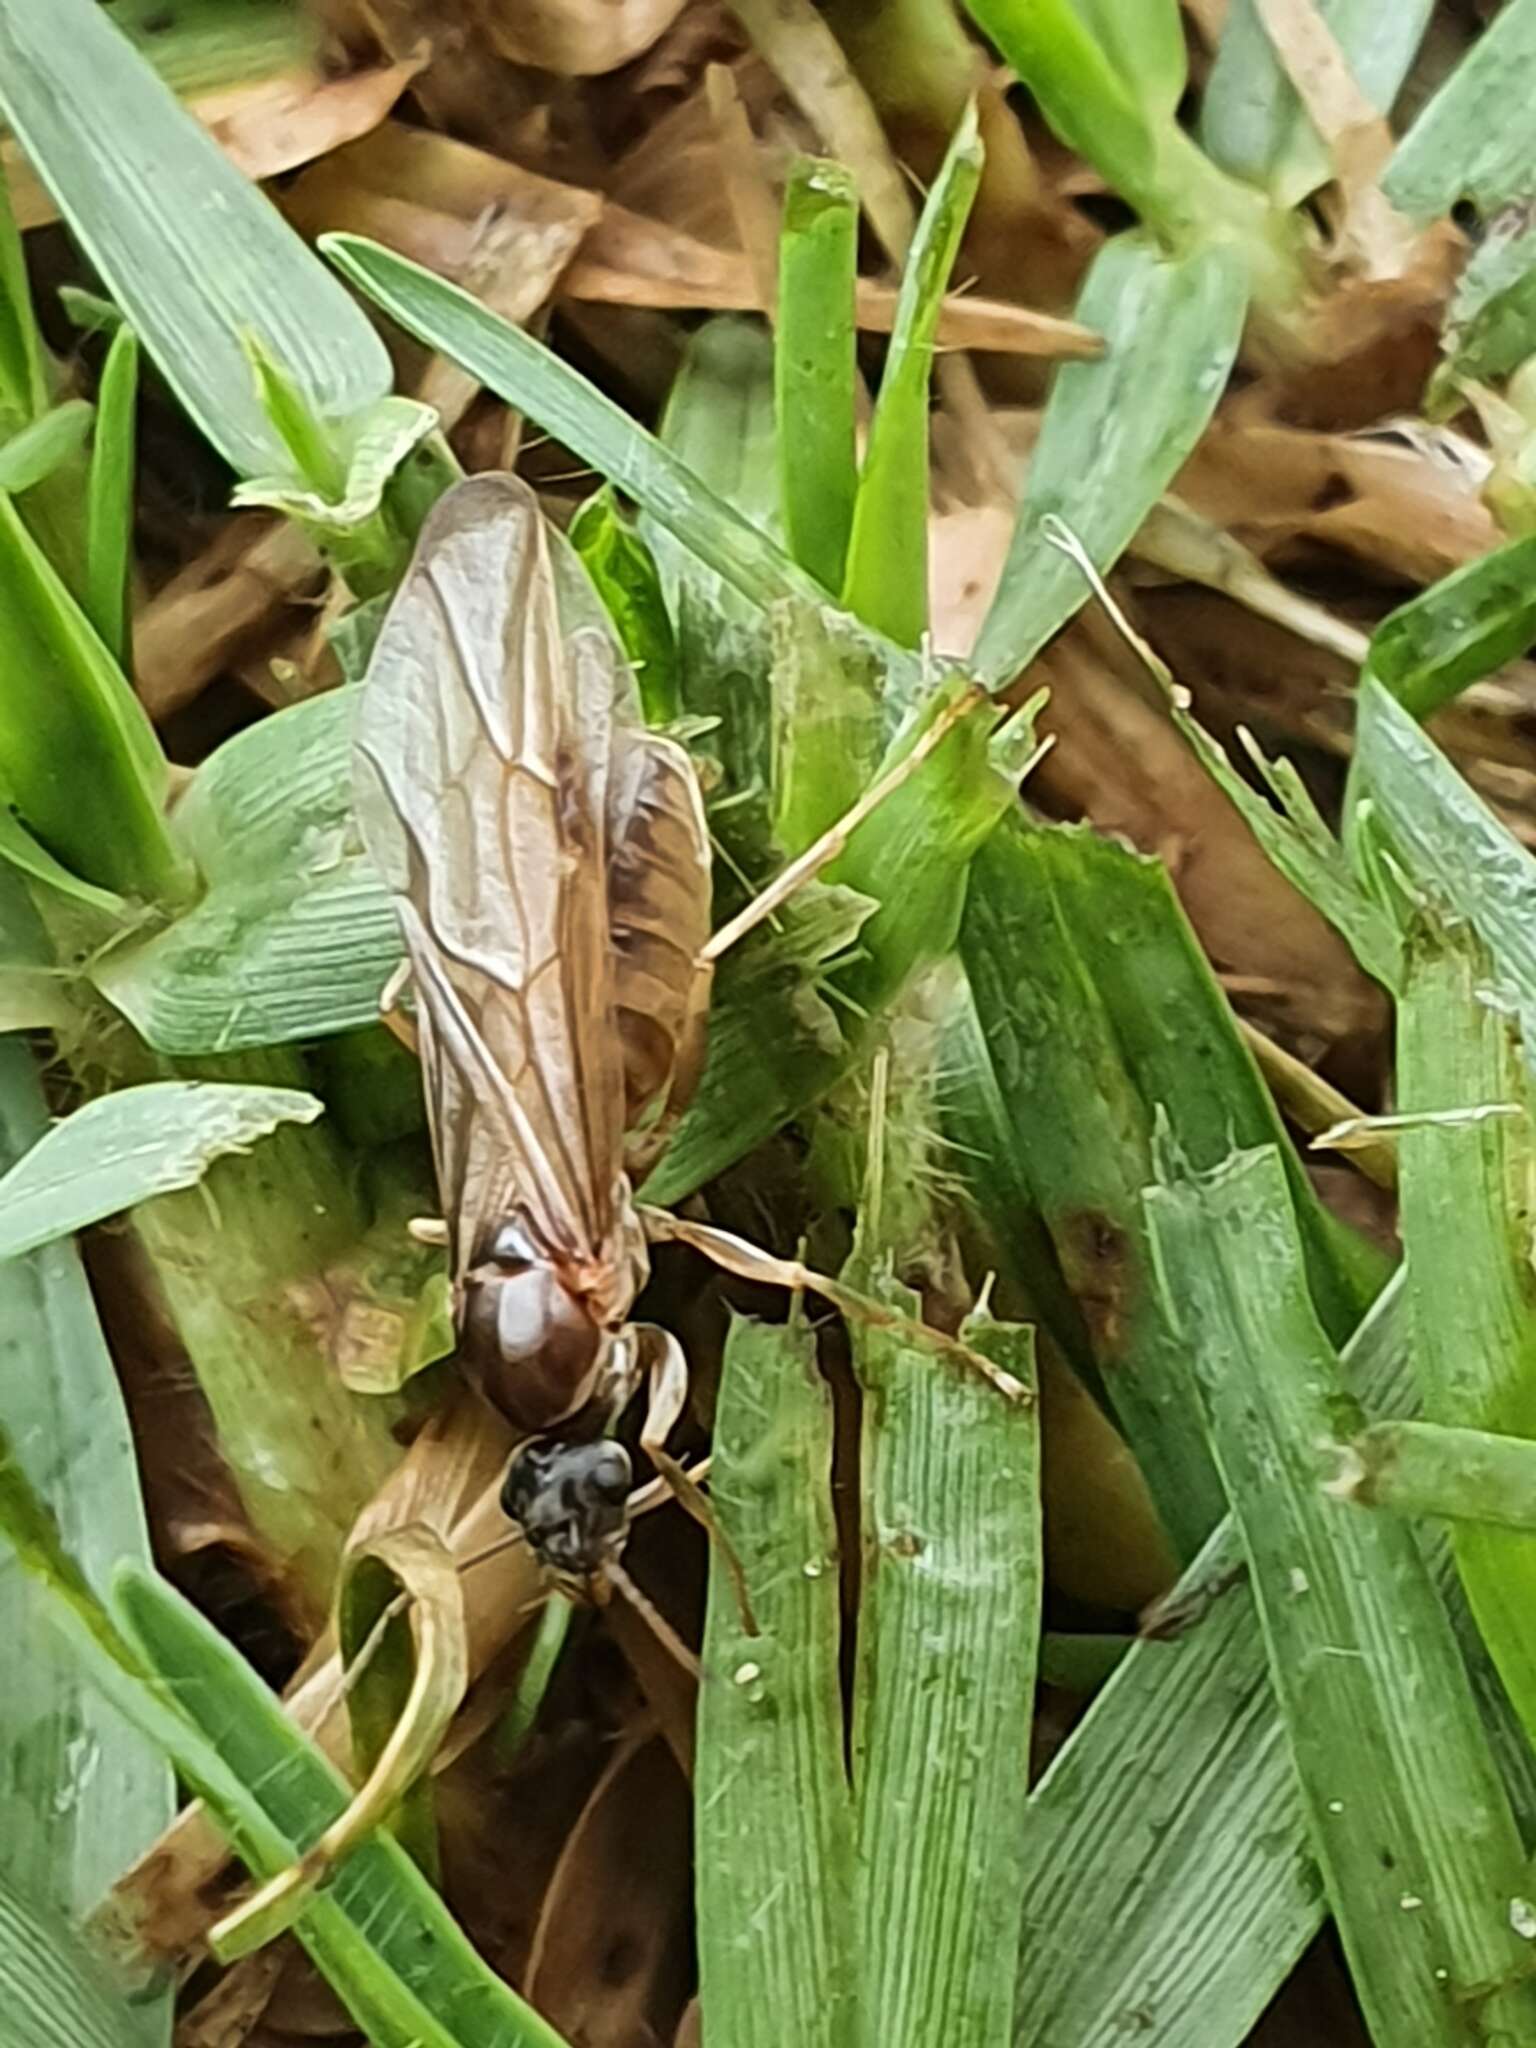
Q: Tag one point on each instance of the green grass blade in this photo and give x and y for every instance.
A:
(1296, 837)
(816, 366)
(776, 1960)
(378, 1931)
(69, 721)
(32, 455)
(1146, 47)
(949, 1620)
(899, 887)
(529, 376)
(1459, 630)
(24, 377)
(1115, 1015)
(271, 1269)
(1173, 1813)
(827, 692)
(109, 506)
(1116, 431)
(1429, 1468)
(83, 1794)
(1251, 119)
(52, 1993)
(194, 254)
(294, 936)
(127, 1147)
(1446, 839)
(1464, 1191)
(885, 581)
(626, 578)
(1474, 139)
(1409, 1821)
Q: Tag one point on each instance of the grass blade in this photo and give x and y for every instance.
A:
(70, 720)
(1117, 1015)
(52, 1995)
(32, 455)
(126, 1148)
(109, 506)
(1251, 117)
(378, 1932)
(189, 248)
(1116, 431)
(776, 1963)
(816, 366)
(293, 936)
(1173, 1813)
(626, 578)
(949, 1620)
(533, 379)
(1474, 139)
(1428, 1468)
(1461, 629)
(83, 1794)
(1409, 1821)
(1446, 839)
(1463, 1191)
(885, 582)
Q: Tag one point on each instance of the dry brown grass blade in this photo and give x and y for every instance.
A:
(268, 126)
(450, 1479)
(221, 607)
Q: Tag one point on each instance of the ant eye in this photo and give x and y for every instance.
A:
(611, 1473)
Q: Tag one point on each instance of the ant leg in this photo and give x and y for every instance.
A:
(391, 1015)
(667, 1397)
(747, 1262)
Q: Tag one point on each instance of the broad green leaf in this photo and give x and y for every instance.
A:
(126, 1148)
(37, 450)
(342, 505)
(776, 1962)
(1251, 120)
(1465, 1188)
(294, 937)
(194, 254)
(1401, 1789)
(109, 509)
(1476, 138)
(1459, 630)
(1116, 431)
(69, 721)
(815, 366)
(81, 1793)
(885, 578)
(53, 1992)
(624, 573)
(1173, 1814)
